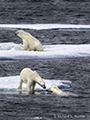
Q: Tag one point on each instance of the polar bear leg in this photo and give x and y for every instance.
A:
(20, 84)
(38, 47)
(30, 87)
(25, 47)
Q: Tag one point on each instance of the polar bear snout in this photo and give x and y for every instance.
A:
(19, 33)
(44, 86)
(49, 91)
(16, 33)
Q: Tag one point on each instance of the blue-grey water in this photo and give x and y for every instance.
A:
(47, 107)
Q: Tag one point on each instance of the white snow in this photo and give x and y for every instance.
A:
(13, 51)
(11, 83)
(45, 26)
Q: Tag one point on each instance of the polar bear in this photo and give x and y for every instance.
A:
(30, 78)
(56, 90)
(29, 42)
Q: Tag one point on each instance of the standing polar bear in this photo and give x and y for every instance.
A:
(55, 90)
(29, 42)
(30, 78)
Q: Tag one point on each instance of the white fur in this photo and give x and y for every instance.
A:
(56, 90)
(29, 42)
(30, 78)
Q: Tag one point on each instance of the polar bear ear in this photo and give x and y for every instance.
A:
(34, 72)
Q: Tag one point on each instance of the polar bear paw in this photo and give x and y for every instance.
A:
(19, 87)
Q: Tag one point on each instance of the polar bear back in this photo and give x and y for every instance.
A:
(34, 44)
(29, 76)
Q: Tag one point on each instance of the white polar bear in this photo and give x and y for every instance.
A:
(30, 78)
(29, 42)
(56, 90)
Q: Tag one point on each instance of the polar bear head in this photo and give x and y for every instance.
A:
(54, 90)
(38, 79)
(22, 34)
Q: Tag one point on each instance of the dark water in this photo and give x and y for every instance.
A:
(48, 37)
(45, 11)
(47, 107)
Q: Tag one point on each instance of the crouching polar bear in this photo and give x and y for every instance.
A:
(29, 42)
(55, 90)
(30, 78)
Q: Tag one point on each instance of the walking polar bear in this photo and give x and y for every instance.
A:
(29, 42)
(55, 90)
(30, 78)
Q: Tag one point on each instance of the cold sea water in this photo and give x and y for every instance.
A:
(14, 106)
